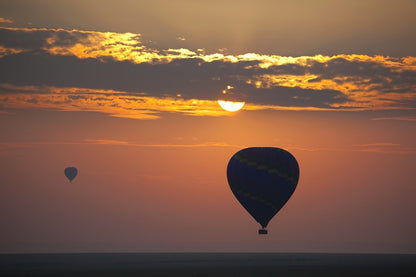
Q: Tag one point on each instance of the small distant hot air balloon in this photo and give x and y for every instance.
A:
(70, 173)
(263, 179)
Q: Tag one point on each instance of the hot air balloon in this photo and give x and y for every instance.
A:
(70, 173)
(262, 179)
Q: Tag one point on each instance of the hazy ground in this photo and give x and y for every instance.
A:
(207, 264)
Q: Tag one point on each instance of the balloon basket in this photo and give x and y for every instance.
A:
(262, 232)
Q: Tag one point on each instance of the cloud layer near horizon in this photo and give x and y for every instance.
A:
(116, 73)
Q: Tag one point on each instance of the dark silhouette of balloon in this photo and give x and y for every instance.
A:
(71, 173)
(262, 179)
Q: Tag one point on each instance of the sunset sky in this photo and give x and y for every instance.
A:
(126, 91)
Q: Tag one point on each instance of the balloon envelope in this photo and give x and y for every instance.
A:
(263, 179)
(70, 173)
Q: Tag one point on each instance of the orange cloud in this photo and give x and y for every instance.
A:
(106, 141)
(386, 148)
(400, 118)
(382, 148)
(376, 83)
(124, 104)
(118, 103)
(377, 147)
(5, 51)
(362, 92)
(114, 103)
(129, 47)
(5, 20)
(12, 145)
(119, 46)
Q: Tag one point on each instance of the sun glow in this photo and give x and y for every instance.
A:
(230, 105)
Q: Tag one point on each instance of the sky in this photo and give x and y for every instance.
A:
(126, 91)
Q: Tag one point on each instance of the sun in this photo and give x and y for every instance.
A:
(230, 105)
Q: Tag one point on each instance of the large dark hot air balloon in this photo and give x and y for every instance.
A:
(263, 179)
(70, 173)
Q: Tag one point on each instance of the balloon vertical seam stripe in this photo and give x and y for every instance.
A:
(259, 189)
(259, 199)
(269, 170)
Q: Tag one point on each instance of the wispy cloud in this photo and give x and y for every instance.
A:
(387, 148)
(5, 20)
(379, 144)
(170, 145)
(12, 145)
(197, 145)
(5, 51)
(106, 141)
(144, 145)
(382, 148)
(399, 118)
(110, 142)
(377, 147)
